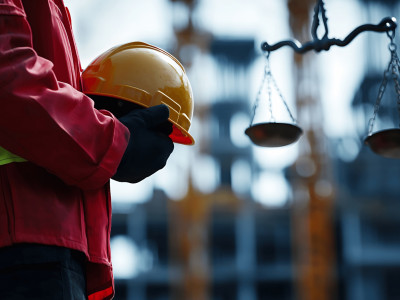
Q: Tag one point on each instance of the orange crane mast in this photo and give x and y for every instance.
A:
(313, 206)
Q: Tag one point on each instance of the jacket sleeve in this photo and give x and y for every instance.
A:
(48, 122)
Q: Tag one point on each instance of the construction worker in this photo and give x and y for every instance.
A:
(57, 155)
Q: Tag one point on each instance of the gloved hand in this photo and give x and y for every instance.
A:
(149, 145)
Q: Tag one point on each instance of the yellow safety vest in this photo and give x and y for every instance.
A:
(7, 157)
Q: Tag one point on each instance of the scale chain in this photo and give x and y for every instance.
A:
(260, 91)
(270, 78)
(381, 91)
(283, 99)
(393, 69)
(395, 73)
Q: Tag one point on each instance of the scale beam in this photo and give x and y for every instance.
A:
(387, 25)
(275, 134)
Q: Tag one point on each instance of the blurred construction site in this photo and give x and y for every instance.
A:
(228, 220)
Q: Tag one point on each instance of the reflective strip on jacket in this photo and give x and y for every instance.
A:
(6, 157)
(60, 195)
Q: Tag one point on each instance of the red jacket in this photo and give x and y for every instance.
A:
(61, 195)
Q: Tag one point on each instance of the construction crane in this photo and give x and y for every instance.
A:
(189, 216)
(313, 205)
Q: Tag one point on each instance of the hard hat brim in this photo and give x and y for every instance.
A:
(179, 134)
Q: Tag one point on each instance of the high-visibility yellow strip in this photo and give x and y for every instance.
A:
(7, 157)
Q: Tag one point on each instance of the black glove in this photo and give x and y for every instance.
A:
(149, 145)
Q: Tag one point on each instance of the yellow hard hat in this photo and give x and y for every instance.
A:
(145, 75)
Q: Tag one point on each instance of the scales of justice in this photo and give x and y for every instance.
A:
(277, 134)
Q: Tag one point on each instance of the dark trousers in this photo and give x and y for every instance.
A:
(31, 271)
